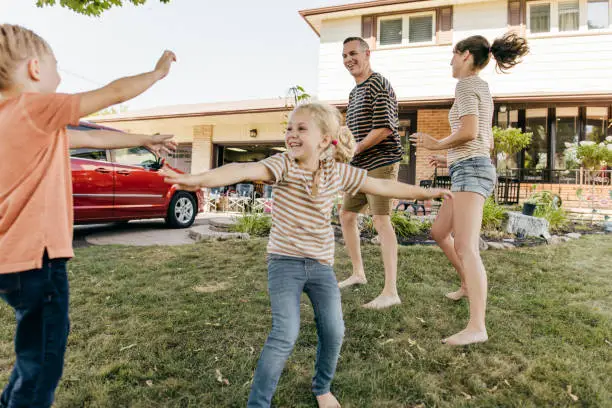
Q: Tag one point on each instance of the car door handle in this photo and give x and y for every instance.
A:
(103, 170)
(124, 172)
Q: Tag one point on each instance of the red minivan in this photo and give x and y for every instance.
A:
(111, 185)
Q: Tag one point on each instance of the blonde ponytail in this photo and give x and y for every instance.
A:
(345, 145)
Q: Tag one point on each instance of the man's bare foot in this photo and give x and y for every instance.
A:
(383, 302)
(457, 295)
(465, 337)
(327, 401)
(353, 280)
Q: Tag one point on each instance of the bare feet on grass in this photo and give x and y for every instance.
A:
(328, 401)
(383, 302)
(458, 294)
(465, 337)
(353, 280)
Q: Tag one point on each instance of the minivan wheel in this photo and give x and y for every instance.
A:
(181, 211)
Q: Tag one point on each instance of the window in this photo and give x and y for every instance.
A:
(135, 156)
(420, 29)
(569, 16)
(567, 132)
(506, 119)
(536, 155)
(90, 154)
(390, 31)
(539, 18)
(596, 124)
(416, 28)
(598, 14)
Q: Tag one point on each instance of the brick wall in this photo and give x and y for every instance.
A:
(202, 150)
(435, 123)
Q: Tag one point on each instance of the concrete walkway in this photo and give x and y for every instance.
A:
(152, 232)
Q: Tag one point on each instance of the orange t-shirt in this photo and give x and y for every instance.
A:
(35, 179)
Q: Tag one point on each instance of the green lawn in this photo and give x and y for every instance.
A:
(183, 327)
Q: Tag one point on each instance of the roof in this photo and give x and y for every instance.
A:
(198, 109)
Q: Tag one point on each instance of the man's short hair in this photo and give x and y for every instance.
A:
(364, 45)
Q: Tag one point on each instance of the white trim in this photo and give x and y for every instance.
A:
(406, 29)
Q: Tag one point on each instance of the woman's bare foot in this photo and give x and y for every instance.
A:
(383, 302)
(457, 295)
(465, 337)
(353, 280)
(327, 401)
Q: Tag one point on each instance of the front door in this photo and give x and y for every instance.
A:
(139, 189)
(407, 126)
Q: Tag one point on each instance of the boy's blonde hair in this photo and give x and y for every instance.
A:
(329, 121)
(17, 44)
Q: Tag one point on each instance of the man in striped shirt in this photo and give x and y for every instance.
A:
(373, 119)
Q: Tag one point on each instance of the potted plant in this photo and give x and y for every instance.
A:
(529, 207)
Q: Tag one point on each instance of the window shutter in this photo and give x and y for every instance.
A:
(420, 29)
(368, 30)
(444, 26)
(390, 31)
(516, 16)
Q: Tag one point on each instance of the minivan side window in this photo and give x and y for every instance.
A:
(135, 156)
(90, 154)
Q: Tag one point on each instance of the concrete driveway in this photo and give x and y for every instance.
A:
(143, 232)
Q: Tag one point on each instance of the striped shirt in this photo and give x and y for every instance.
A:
(472, 97)
(301, 223)
(372, 105)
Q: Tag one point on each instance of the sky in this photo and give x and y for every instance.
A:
(227, 50)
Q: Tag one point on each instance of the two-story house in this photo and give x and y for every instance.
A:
(562, 92)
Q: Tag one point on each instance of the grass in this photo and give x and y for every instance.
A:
(183, 327)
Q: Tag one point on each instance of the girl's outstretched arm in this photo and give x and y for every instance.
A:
(395, 189)
(221, 176)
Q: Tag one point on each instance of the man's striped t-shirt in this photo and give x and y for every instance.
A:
(301, 223)
(373, 105)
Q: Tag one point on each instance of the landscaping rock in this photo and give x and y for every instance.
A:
(555, 240)
(375, 240)
(204, 232)
(509, 240)
(508, 245)
(496, 245)
(222, 223)
(525, 225)
(607, 226)
(482, 244)
(573, 235)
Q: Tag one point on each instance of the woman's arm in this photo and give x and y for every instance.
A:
(468, 131)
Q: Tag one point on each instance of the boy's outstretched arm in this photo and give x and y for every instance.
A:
(108, 139)
(126, 88)
(222, 176)
(395, 189)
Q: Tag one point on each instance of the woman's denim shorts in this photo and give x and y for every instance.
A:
(476, 175)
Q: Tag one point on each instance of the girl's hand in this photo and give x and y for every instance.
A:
(164, 62)
(184, 181)
(437, 160)
(424, 140)
(441, 193)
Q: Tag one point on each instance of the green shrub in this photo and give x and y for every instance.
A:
(492, 215)
(404, 225)
(258, 225)
(548, 206)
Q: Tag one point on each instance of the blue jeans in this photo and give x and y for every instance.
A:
(288, 277)
(40, 300)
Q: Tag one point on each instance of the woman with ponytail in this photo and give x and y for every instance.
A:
(307, 178)
(473, 176)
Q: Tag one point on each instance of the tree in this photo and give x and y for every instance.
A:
(296, 95)
(509, 142)
(91, 7)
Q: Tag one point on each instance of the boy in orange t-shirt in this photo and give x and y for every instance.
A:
(36, 199)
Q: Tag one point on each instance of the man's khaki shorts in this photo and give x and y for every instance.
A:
(376, 204)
